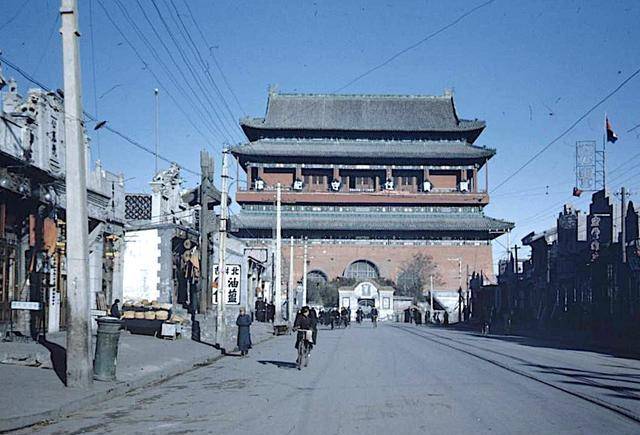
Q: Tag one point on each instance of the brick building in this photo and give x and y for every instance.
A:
(370, 181)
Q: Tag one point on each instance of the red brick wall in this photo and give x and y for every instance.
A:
(273, 178)
(333, 259)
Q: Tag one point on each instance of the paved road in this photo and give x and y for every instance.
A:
(393, 379)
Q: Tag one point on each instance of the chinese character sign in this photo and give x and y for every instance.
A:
(232, 284)
(594, 237)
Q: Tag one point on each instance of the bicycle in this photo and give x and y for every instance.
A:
(374, 319)
(304, 348)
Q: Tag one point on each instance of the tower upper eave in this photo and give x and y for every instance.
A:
(362, 116)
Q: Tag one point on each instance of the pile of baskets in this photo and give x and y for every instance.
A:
(146, 310)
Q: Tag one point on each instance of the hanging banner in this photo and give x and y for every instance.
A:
(232, 284)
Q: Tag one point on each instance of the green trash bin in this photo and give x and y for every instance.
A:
(104, 363)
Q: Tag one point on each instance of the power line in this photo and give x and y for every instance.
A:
(10, 20)
(93, 118)
(567, 130)
(416, 44)
(137, 53)
(46, 46)
(205, 67)
(93, 72)
(189, 65)
(211, 127)
(213, 56)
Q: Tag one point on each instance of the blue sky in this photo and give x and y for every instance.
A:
(529, 68)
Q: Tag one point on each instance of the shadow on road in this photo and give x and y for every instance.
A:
(279, 364)
(584, 342)
(58, 358)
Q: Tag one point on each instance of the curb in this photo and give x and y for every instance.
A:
(119, 388)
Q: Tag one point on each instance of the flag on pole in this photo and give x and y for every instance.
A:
(611, 136)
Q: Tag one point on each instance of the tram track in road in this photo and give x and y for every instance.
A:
(454, 344)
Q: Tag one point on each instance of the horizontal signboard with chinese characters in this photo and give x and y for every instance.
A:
(232, 277)
(22, 305)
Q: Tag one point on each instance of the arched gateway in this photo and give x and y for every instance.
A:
(367, 294)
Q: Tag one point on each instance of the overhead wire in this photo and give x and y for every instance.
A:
(414, 45)
(14, 16)
(189, 66)
(213, 56)
(205, 67)
(151, 71)
(94, 82)
(201, 112)
(91, 117)
(568, 129)
(47, 45)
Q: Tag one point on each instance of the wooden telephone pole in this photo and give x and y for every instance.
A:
(206, 227)
(79, 367)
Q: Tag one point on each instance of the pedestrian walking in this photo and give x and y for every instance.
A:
(244, 332)
(418, 316)
(271, 312)
(446, 318)
(314, 325)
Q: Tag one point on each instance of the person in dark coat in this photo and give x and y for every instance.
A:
(314, 325)
(417, 316)
(271, 312)
(302, 323)
(446, 318)
(244, 332)
(115, 310)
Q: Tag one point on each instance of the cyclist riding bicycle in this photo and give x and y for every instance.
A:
(304, 337)
(374, 316)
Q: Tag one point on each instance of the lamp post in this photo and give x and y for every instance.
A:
(459, 260)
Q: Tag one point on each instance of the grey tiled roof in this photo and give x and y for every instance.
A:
(362, 149)
(362, 112)
(350, 221)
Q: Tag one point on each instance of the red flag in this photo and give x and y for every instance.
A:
(611, 136)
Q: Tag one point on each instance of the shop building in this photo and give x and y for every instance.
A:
(32, 216)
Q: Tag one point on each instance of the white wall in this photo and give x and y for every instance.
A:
(141, 265)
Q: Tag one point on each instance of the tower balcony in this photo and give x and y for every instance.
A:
(363, 196)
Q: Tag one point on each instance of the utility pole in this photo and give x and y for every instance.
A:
(157, 127)
(78, 324)
(516, 248)
(221, 323)
(206, 219)
(517, 271)
(431, 294)
(304, 274)
(291, 283)
(468, 293)
(623, 232)
(278, 255)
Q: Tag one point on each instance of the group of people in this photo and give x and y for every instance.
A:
(414, 315)
(265, 311)
(373, 314)
(335, 318)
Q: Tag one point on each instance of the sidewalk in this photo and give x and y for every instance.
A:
(32, 373)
